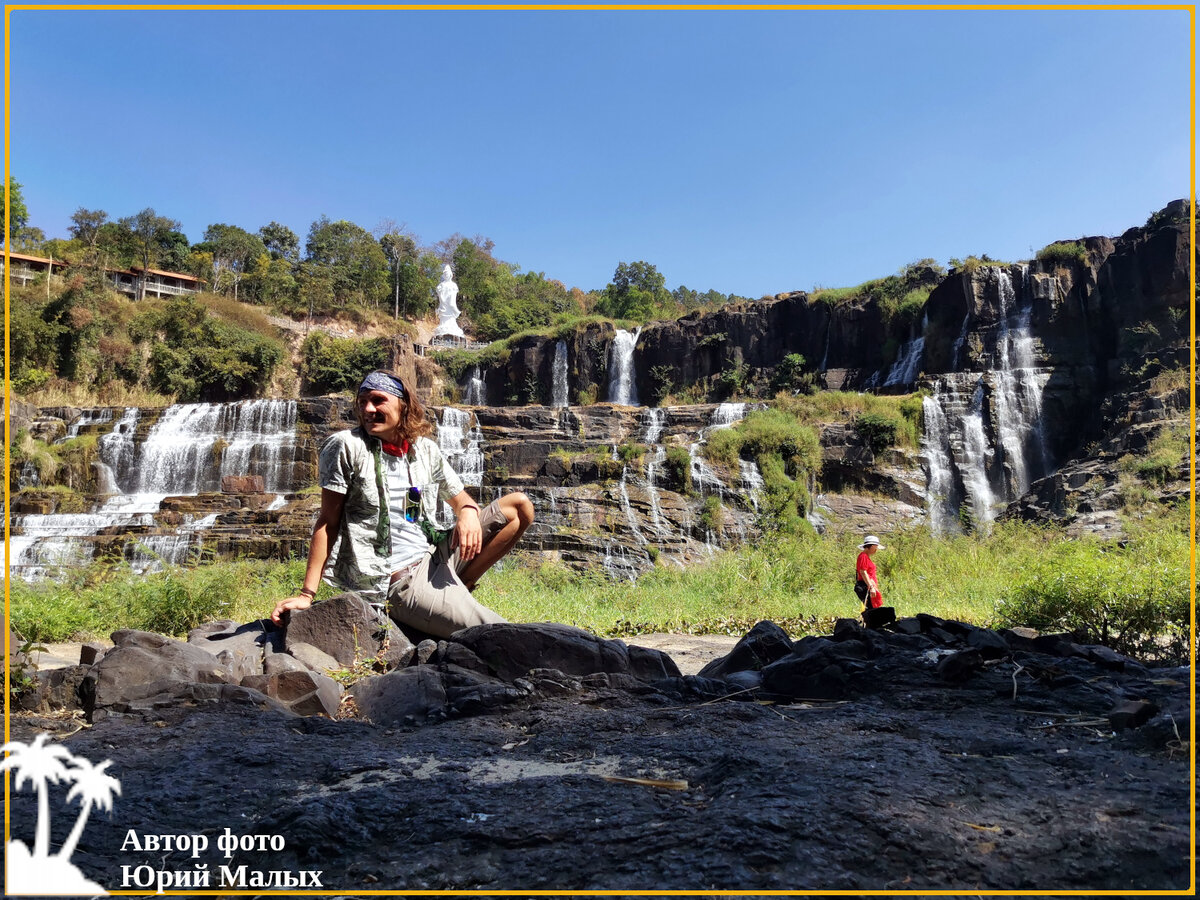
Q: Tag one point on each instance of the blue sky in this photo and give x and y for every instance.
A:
(751, 152)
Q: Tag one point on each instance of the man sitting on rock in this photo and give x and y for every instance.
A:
(380, 486)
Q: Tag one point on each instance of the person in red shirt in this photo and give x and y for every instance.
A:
(864, 572)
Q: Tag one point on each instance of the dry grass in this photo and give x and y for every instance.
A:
(60, 392)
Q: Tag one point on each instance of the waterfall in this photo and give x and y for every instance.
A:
(704, 478)
(939, 477)
(751, 481)
(727, 415)
(462, 445)
(620, 563)
(983, 442)
(1018, 394)
(98, 416)
(622, 380)
(828, 335)
(656, 420)
(908, 362)
(117, 449)
(559, 384)
(187, 451)
(473, 391)
(660, 524)
(627, 508)
(192, 446)
(961, 340)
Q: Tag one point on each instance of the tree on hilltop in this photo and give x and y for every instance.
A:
(281, 242)
(153, 239)
(348, 261)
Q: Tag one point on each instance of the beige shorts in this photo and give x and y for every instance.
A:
(431, 596)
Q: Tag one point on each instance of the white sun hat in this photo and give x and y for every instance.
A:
(871, 539)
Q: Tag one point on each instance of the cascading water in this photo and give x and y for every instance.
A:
(622, 382)
(656, 421)
(187, 451)
(99, 416)
(983, 442)
(726, 415)
(705, 480)
(193, 446)
(473, 390)
(908, 363)
(627, 508)
(660, 525)
(559, 388)
(939, 476)
(961, 341)
(462, 445)
(1018, 393)
(751, 481)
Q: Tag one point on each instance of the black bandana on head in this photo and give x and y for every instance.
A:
(381, 381)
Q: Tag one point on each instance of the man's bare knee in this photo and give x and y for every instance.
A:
(518, 507)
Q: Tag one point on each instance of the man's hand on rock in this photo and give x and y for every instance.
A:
(298, 602)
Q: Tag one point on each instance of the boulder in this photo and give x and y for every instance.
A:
(193, 694)
(990, 644)
(816, 669)
(960, 666)
(304, 693)
(242, 647)
(346, 627)
(512, 650)
(405, 696)
(143, 665)
(758, 648)
(242, 484)
(90, 653)
(1131, 714)
(424, 651)
(312, 658)
(57, 689)
(277, 663)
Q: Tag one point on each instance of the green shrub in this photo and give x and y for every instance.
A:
(1063, 253)
(1160, 463)
(196, 356)
(630, 452)
(773, 432)
(587, 396)
(662, 383)
(790, 375)
(1116, 596)
(730, 382)
(724, 446)
(877, 430)
(330, 365)
(678, 464)
(712, 514)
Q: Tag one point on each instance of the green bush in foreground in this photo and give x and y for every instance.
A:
(1133, 598)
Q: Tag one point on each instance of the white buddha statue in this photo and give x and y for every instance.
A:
(447, 310)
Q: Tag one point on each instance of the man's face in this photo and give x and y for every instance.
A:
(380, 413)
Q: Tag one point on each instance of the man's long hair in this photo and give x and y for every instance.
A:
(413, 423)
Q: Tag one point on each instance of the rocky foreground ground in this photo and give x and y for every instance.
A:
(931, 755)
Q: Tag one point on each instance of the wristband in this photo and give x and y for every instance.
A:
(470, 506)
(312, 595)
